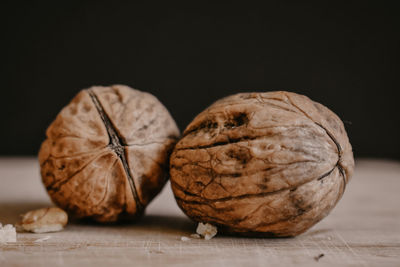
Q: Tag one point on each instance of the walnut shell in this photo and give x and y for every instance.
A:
(106, 153)
(266, 164)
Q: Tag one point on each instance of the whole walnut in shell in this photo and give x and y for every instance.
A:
(106, 153)
(264, 164)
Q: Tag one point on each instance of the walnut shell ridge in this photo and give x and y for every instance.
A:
(106, 153)
(263, 164)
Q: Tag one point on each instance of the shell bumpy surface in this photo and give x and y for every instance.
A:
(106, 153)
(263, 164)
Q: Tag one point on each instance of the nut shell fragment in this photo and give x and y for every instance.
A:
(266, 164)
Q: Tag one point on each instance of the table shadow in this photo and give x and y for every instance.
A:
(10, 213)
(151, 223)
(171, 223)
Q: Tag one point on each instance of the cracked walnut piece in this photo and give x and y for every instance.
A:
(44, 220)
(106, 153)
(262, 164)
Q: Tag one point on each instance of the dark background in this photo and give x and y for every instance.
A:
(345, 56)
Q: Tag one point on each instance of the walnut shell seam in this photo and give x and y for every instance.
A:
(332, 137)
(116, 144)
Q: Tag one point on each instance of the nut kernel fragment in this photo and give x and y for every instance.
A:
(44, 220)
(7, 234)
(185, 238)
(206, 230)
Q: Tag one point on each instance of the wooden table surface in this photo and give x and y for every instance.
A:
(363, 230)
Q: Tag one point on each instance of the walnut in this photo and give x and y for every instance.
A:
(106, 153)
(263, 164)
(44, 220)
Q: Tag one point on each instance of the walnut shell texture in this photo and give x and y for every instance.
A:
(106, 153)
(262, 164)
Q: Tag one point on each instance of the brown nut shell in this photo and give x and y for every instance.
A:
(106, 153)
(266, 164)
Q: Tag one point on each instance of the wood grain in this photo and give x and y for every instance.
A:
(363, 230)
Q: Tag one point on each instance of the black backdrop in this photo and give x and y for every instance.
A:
(345, 56)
